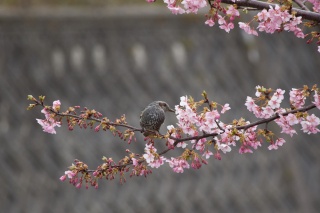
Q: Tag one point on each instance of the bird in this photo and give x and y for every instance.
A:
(153, 116)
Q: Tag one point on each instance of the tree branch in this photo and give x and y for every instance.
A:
(301, 4)
(262, 121)
(176, 140)
(264, 5)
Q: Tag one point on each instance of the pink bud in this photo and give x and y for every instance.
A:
(63, 177)
(78, 185)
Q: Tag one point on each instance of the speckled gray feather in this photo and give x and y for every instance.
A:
(153, 116)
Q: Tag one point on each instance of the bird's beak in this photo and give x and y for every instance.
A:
(171, 110)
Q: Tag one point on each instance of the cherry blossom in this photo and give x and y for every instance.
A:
(224, 147)
(149, 153)
(232, 11)
(173, 7)
(56, 105)
(285, 126)
(246, 27)
(49, 123)
(224, 25)
(317, 98)
(225, 108)
(156, 163)
(210, 22)
(309, 125)
(276, 18)
(192, 6)
(250, 103)
(207, 154)
(297, 99)
(280, 141)
(316, 5)
(178, 165)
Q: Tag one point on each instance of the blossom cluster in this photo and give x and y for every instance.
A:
(49, 123)
(189, 6)
(286, 121)
(225, 22)
(274, 19)
(316, 5)
(151, 156)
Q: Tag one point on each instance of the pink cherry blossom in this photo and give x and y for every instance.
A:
(227, 26)
(273, 146)
(157, 162)
(63, 177)
(173, 7)
(292, 119)
(225, 108)
(274, 103)
(176, 9)
(135, 162)
(248, 29)
(224, 147)
(310, 124)
(178, 165)
(285, 125)
(70, 174)
(196, 163)
(149, 157)
(280, 141)
(49, 125)
(258, 93)
(224, 25)
(149, 150)
(316, 97)
(199, 145)
(184, 101)
(212, 115)
(217, 156)
(267, 111)
(182, 145)
(78, 185)
(192, 6)
(232, 11)
(275, 19)
(210, 22)
(250, 138)
(316, 5)
(263, 15)
(297, 99)
(56, 105)
(207, 154)
(279, 95)
(245, 149)
(250, 104)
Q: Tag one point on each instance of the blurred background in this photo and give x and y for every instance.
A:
(117, 57)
